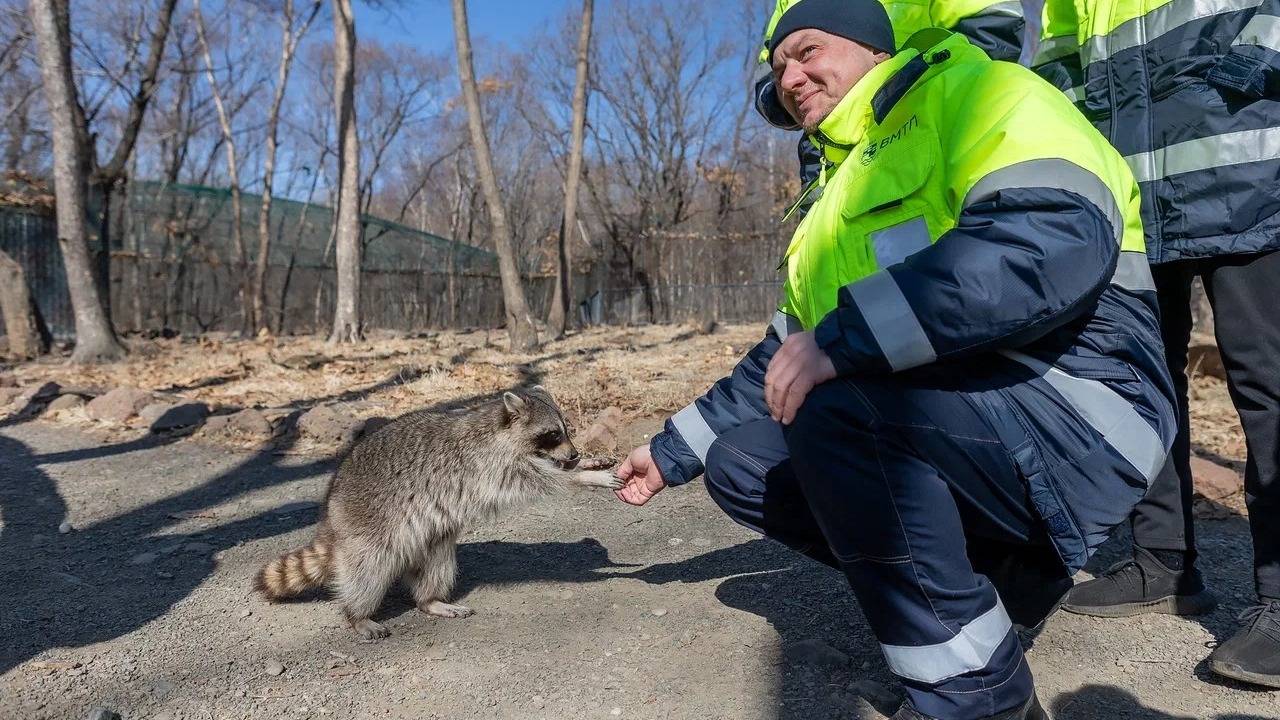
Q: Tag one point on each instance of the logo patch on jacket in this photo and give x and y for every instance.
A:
(875, 146)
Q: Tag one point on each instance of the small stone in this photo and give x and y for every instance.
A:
(565, 595)
(675, 542)
(274, 668)
(817, 653)
(64, 403)
(245, 613)
(437, 653)
(65, 528)
(101, 713)
(1214, 481)
(161, 417)
(658, 612)
(1203, 358)
(145, 558)
(616, 711)
(326, 423)
(118, 405)
(538, 701)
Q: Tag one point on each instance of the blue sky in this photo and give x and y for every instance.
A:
(428, 24)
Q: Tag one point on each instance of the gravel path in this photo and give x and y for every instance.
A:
(124, 584)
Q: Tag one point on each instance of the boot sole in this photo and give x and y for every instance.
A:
(1198, 604)
(1235, 672)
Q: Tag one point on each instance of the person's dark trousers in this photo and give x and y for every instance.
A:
(898, 487)
(1244, 292)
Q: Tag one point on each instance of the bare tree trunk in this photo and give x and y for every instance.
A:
(26, 342)
(107, 179)
(564, 266)
(288, 47)
(239, 260)
(293, 254)
(346, 311)
(95, 339)
(521, 332)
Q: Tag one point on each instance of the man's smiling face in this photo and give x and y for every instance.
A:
(814, 70)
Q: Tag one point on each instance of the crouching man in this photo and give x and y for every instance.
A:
(964, 389)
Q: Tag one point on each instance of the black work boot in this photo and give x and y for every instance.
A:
(1030, 710)
(1253, 654)
(1141, 585)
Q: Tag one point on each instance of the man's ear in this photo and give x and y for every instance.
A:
(514, 405)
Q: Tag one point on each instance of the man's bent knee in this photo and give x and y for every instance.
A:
(830, 413)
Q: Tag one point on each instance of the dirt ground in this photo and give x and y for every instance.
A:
(585, 607)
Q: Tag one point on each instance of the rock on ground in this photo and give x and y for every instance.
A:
(1214, 481)
(65, 402)
(172, 416)
(118, 405)
(329, 424)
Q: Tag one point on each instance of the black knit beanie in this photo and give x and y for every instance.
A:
(864, 21)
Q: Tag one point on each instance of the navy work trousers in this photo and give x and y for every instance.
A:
(905, 489)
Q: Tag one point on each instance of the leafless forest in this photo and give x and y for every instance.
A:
(234, 164)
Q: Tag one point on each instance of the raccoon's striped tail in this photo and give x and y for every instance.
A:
(295, 572)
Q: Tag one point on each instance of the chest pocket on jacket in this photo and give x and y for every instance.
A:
(884, 218)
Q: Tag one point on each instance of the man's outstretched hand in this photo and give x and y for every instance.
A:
(797, 367)
(640, 476)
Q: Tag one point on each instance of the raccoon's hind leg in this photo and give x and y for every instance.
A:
(362, 574)
(433, 579)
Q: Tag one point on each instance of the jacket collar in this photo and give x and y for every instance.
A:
(868, 100)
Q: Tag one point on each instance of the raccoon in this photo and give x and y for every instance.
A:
(404, 495)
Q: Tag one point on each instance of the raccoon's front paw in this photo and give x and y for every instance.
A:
(600, 479)
(369, 630)
(597, 463)
(446, 610)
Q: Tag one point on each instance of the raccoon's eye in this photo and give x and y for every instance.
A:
(551, 437)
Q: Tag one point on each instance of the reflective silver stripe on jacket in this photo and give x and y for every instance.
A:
(1166, 18)
(971, 649)
(1051, 173)
(784, 324)
(1106, 412)
(893, 323)
(697, 434)
(1263, 30)
(896, 243)
(1205, 153)
(1133, 273)
(1006, 9)
(1055, 48)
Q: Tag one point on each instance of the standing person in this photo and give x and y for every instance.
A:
(1189, 93)
(994, 26)
(964, 382)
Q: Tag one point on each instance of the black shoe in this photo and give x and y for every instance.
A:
(1141, 585)
(1253, 654)
(1030, 710)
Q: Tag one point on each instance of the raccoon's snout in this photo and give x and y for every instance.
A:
(571, 462)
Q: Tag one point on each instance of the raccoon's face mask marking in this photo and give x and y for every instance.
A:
(538, 421)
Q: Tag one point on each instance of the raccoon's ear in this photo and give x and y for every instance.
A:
(514, 404)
